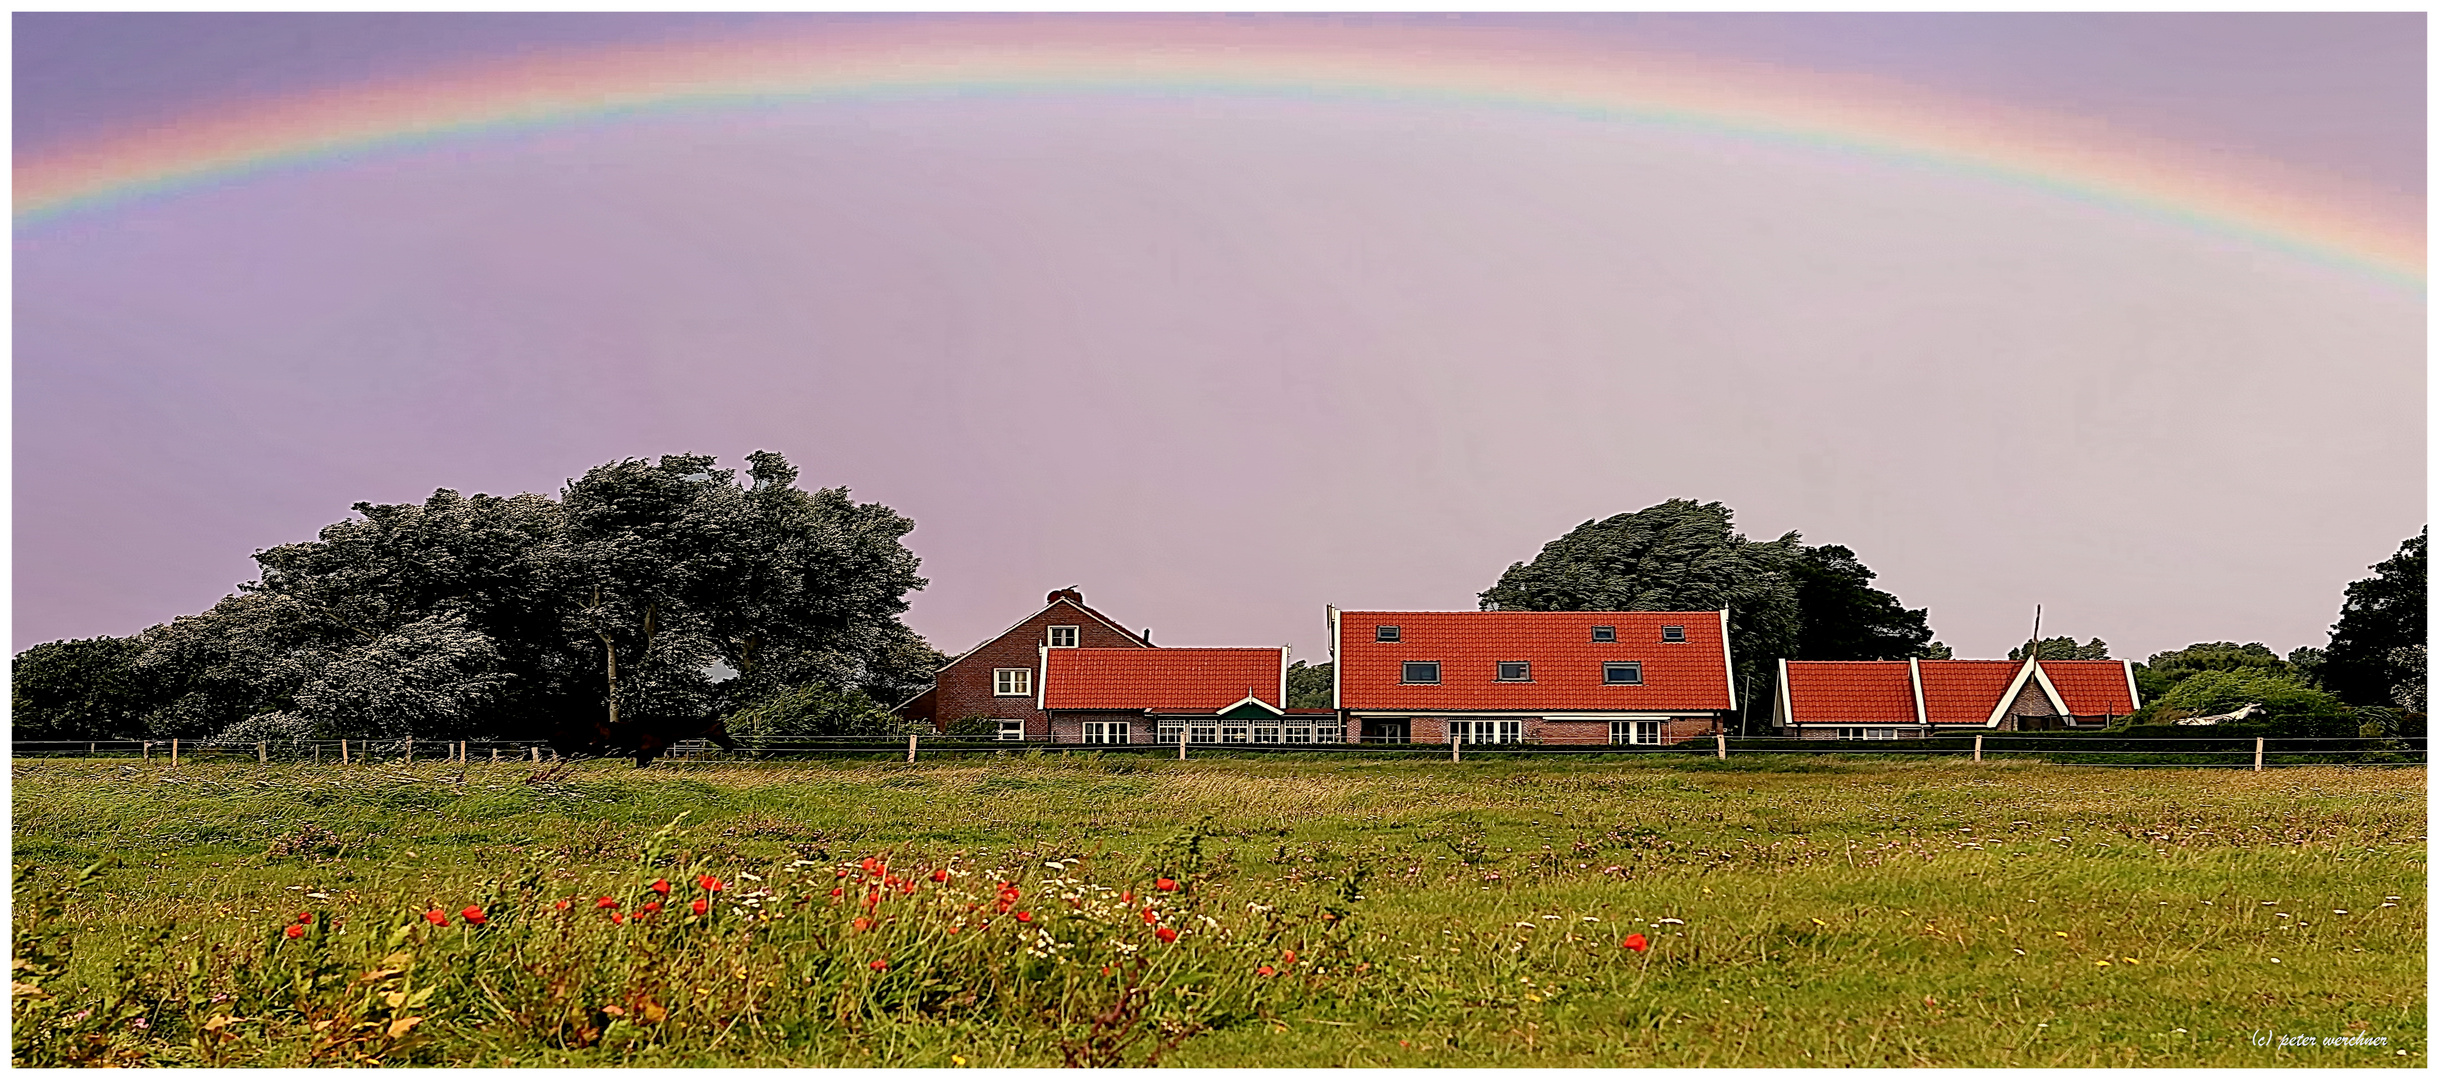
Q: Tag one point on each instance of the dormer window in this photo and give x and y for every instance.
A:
(1672, 633)
(1515, 671)
(1622, 673)
(1604, 633)
(1064, 637)
(1386, 633)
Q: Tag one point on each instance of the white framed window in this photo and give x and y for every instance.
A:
(1233, 733)
(1011, 731)
(1867, 733)
(1266, 734)
(1329, 733)
(1421, 671)
(1299, 734)
(1064, 637)
(1672, 633)
(1384, 633)
(1012, 681)
(1169, 731)
(1604, 633)
(1202, 734)
(1486, 731)
(1622, 673)
(1108, 731)
(1515, 671)
(1634, 732)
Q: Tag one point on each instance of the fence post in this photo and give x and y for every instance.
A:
(92, 748)
(537, 754)
(910, 748)
(1723, 746)
(342, 751)
(317, 753)
(173, 753)
(1456, 750)
(262, 753)
(1181, 744)
(2260, 744)
(495, 755)
(410, 750)
(148, 749)
(1977, 746)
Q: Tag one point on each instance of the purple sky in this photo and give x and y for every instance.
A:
(1222, 361)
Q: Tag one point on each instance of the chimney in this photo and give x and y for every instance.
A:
(1147, 635)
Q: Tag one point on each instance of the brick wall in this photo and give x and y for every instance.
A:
(1068, 727)
(965, 688)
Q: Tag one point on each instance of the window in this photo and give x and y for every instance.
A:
(1634, 732)
(1604, 633)
(1486, 731)
(1063, 637)
(1672, 633)
(1867, 733)
(1012, 681)
(1202, 734)
(1299, 734)
(1515, 671)
(1326, 733)
(1266, 734)
(1169, 731)
(1233, 733)
(1011, 731)
(1384, 633)
(1422, 671)
(1622, 673)
(1107, 731)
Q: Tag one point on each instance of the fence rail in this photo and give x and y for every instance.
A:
(2099, 751)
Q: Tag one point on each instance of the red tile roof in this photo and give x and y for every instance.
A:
(1167, 680)
(1964, 691)
(1689, 675)
(1851, 692)
(2091, 687)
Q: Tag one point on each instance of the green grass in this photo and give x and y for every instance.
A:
(1803, 912)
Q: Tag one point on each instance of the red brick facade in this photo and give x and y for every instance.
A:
(966, 687)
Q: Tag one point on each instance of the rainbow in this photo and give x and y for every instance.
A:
(987, 57)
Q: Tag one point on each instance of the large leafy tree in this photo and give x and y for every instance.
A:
(509, 616)
(1844, 618)
(1680, 555)
(2063, 647)
(2383, 613)
(79, 689)
(1308, 685)
(2164, 670)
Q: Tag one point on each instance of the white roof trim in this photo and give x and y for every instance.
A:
(1913, 670)
(2055, 701)
(1266, 706)
(2134, 698)
(1727, 662)
(2015, 686)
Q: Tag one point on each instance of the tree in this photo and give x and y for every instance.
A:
(2164, 670)
(2382, 613)
(1308, 686)
(2062, 648)
(1677, 556)
(2295, 710)
(1844, 618)
(816, 710)
(79, 689)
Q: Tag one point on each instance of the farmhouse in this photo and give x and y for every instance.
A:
(1650, 678)
(1000, 680)
(1911, 699)
(1172, 695)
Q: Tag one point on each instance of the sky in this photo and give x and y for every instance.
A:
(1221, 355)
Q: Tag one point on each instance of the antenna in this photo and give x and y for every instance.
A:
(2036, 639)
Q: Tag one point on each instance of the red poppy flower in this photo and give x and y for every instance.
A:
(1288, 957)
(1010, 892)
(660, 885)
(954, 929)
(866, 864)
(880, 965)
(1165, 934)
(838, 892)
(436, 917)
(1024, 916)
(862, 923)
(304, 918)
(701, 906)
(1165, 885)
(1635, 942)
(1105, 969)
(1003, 905)
(473, 915)
(618, 918)
(1150, 916)
(651, 906)
(940, 874)
(295, 931)
(1266, 970)
(1127, 897)
(842, 871)
(709, 883)
(605, 902)
(562, 905)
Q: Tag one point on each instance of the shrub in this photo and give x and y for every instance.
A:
(814, 710)
(2295, 710)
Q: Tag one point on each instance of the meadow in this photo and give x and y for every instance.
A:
(1024, 909)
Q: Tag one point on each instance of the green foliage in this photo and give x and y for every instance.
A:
(2166, 669)
(78, 689)
(2062, 648)
(1845, 618)
(1308, 685)
(2387, 611)
(815, 710)
(2294, 709)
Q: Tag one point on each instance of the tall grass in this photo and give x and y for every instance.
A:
(1324, 912)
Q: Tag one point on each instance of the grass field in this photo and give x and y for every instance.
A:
(1793, 912)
